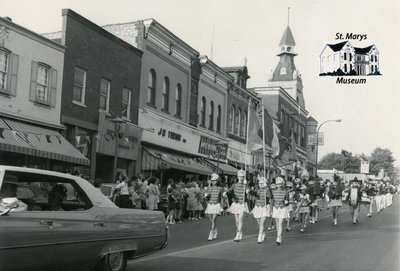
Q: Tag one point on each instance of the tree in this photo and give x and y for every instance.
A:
(344, 161)
(382, 159)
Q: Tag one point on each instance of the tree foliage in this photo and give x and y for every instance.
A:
(380, 158)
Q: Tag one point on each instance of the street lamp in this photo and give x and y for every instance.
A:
(117, 127)
(316, 156)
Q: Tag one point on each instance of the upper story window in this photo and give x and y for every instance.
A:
(165, 95)
(232, 118)
(78, 94)
(105, 86)
(4, 69)
(42, 86)
(211, 121)
(126, 102)
(203, 112)
(178, 100)
(219, 119)
(151, 88)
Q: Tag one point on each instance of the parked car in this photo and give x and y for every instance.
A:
(73, 226)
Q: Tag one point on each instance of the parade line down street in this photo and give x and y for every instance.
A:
(372, 244)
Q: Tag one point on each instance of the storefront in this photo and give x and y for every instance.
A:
(126, 138)
(30, 145)
(178, 151)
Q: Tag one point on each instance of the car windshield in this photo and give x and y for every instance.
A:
(106, 190)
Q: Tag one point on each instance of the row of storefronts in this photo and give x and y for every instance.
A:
(130, 98)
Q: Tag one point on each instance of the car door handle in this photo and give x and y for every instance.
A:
(101, 224)
(46, 222)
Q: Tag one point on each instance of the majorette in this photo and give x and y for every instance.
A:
(262, 209)
(239, 205)
(213, 195)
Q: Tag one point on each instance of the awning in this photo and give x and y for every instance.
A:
(33, 140)
(155, 160)
(226, 169)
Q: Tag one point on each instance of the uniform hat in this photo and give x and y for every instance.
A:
(214, 177)
(297, 180)
(279, 180)
(241, 173)
(262, 180)
(303, 187)
(289, 184)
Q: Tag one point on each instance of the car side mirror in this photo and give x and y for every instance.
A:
(7, 204)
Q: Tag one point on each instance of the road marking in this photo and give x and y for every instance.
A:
(216, 244)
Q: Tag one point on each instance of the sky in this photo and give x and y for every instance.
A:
(252, 30)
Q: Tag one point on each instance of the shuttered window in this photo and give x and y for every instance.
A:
(8, 72)
(43, 84)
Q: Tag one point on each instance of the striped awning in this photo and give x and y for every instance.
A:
(24, 138)
(155, 160)
(225, 168)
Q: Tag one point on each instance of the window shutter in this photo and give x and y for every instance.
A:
(13, 74)
(53, 88)
(32, 94)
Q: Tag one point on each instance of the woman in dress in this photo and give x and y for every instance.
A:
(153, 194)
(335, 197)
(239, 205)
(191, 201)
(280, 211)
(213, 194)
(303, 207)
(261, 209)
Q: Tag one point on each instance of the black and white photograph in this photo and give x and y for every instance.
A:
(254, 135)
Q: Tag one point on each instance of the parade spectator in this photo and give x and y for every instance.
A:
(122, 185)
(178, 194)
(153, 194)
(171, 204)
(191, 201)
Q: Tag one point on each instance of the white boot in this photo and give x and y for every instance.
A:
(240, 236)
(260, 238)
(210, 236)
(215, 235)
(236, 237)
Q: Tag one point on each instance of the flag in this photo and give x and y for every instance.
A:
(293, 148)
(254, 139)
(275, 146)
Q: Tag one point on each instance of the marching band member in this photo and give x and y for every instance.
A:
(311, 191)
(292, 202)
(214, 195)
(279, 209)
(303, 206)
(354, 199)
(335, 196)
(270, 221)
(296, 189)
(239, 205)
(262, 208)
(371, 192)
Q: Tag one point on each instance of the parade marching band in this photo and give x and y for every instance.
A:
(300, 200)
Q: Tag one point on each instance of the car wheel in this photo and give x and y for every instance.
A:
(115, 261)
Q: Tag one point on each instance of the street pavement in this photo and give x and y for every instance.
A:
(372, 244)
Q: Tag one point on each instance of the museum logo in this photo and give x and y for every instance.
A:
(343, 59)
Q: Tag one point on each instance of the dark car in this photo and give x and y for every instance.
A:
(55, 221)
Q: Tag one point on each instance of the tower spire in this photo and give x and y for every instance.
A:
(288, 16)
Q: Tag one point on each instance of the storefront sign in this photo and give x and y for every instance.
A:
(212, 148)
(128, 139)
(162, 132)
(237, 153)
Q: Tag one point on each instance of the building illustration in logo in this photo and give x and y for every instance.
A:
(343, 59)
